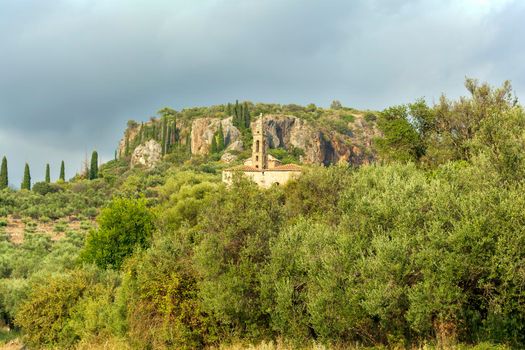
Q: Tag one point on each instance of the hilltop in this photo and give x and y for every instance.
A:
(310, 135)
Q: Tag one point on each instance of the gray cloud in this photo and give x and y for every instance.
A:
(72, 72)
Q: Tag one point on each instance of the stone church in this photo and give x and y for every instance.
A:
(262, 168)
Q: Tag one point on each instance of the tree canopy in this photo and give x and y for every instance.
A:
(124, 226)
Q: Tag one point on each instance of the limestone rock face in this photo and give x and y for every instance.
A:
(236, 146)
(147, 155)
(132, 134)
(203, 129)
(228, 157)
(320, 146)
(291, 132)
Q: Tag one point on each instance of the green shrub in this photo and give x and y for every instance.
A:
(59, 312)
(28, 256)
(289, 283)
(44, 188)
(60, 227)
(85, 225)
(340, 126)
(370, 117)
(349, 118)
(232, 246)
(44, 219)
(163, 309)
(124, 225)
(13, 292)
(90, 212)
(287, 156)
(7, 336)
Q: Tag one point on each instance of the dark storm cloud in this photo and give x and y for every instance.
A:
(72, 72)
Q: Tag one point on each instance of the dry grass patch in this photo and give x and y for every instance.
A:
(16, 227)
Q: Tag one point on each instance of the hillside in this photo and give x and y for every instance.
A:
(311, 135)
(413, 239)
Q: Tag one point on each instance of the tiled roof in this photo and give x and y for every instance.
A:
(243, 168)
(287, 167)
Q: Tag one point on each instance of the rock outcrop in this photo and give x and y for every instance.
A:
(290, 132)
(228, 157)
(130, 134)
(328, 141)
(147, 155)
(320, 145)
(203, 129)
(236, 146)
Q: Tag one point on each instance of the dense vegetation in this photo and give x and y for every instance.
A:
(425, 247)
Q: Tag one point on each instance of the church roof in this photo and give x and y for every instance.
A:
(286, 167)
(243, 168)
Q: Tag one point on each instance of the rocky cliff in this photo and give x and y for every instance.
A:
(329, 140)
(203, 129)
(319, 143)
(147, 155)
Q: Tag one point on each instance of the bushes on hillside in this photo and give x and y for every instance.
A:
(44, 188)
(392, 255)
(125, 225)
(408, 257)
(232, 247)
(68, 307)
(163, 309)
(429, 250)
(55, 201)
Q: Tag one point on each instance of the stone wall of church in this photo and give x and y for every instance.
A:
(264, 179)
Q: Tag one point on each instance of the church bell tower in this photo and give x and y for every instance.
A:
(259, 155)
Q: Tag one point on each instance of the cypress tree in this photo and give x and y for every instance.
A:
(171, 137)
(188, 143)
(246, 116)
(220, 139)
(26, 183)
(236, 114)
(163, 140)
(93, 170)
(214, 143)
(4, 180)
(167, 136)
(62, 176)
(48, 173)
(126, 151)
(176, 139)
(241, 115)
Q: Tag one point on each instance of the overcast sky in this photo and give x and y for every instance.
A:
(72, 72)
